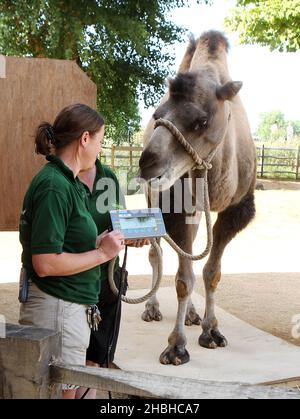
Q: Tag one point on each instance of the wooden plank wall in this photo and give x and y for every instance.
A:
(32, 90)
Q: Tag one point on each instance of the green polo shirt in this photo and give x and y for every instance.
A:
(106, 196)
(55, 218)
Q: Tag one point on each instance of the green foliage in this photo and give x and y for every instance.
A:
(272, 126)
(274, 129)
(274, 23)
(119, 43)
(296, 128)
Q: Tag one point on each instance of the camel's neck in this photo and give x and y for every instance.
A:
(218, 61)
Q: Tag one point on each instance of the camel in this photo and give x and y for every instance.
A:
(204, 105)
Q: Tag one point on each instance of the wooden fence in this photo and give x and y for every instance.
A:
(32, 90)
(278, 162)
(271, 162)
(28, 371)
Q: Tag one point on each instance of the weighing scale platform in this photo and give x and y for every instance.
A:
(252, 356)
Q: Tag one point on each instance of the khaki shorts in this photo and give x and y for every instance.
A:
(70, 319)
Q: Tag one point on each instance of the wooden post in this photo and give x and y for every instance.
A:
(113, 149)
(130, 153)
(298, 163)
(25, 355)
(2, 67)
(262, 161)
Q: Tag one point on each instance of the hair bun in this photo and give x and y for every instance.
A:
(50, 134)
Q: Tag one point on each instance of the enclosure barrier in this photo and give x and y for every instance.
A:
(28, 371)
(278, 162)
(271, 162)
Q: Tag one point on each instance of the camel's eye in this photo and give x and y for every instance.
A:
(155, 116)
(200, 124)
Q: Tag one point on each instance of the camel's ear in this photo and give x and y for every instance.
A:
(229, 90)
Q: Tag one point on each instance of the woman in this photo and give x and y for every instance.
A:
(104, 195)
(61, 251)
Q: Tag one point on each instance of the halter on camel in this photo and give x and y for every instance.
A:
(200, 164)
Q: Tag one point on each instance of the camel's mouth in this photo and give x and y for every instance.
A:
(163, 181)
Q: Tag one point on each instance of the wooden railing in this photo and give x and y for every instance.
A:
(271, 162)
(28, 370)
(278, 162)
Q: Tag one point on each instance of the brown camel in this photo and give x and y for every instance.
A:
(203, 103)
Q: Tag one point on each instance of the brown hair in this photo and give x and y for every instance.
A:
(68, 126)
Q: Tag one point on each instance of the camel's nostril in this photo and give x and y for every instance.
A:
(147, 159)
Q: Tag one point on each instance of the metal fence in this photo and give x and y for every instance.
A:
(278, 162)
(273, 163)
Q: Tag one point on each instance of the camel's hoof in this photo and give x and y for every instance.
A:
(220, 340)
(212, 340)
(151, 314)
(192, 318)
(172, 355)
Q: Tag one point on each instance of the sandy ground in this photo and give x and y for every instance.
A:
(261, 267)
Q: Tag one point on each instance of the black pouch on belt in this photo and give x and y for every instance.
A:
(23, 286)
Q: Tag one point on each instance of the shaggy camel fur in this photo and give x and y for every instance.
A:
(203, 103)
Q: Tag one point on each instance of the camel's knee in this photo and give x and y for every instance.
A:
(184, 288)
(211, 277)
(181, 289)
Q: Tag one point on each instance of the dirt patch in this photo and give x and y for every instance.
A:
(271, 185)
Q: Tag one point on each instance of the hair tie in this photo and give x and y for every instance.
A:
(50, 134)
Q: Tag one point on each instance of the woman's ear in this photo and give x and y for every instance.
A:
(84, 138)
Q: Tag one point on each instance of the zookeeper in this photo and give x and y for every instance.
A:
(61, 248)
(104, 194)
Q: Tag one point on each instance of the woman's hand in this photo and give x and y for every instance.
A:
(137, 242)
(110, 243)
(100, 237)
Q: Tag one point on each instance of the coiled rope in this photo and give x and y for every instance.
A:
(200, 164)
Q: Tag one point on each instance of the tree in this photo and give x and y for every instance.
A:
(119, 43)
(296, 128)
(272, 126)
(274, 23)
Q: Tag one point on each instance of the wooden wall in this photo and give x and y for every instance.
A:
(32, 90)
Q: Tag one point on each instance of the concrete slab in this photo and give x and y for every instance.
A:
(252, 356)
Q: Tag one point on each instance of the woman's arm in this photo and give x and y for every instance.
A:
(63, 264)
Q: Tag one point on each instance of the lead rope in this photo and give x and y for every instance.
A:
(200, 164)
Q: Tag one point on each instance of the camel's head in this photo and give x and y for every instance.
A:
(198, 106)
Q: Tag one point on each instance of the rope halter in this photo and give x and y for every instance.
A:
(200, 164)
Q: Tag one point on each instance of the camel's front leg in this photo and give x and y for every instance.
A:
(228, 224)
(176, 352)
(152, 311)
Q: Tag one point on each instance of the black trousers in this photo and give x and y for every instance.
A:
(99, 341)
